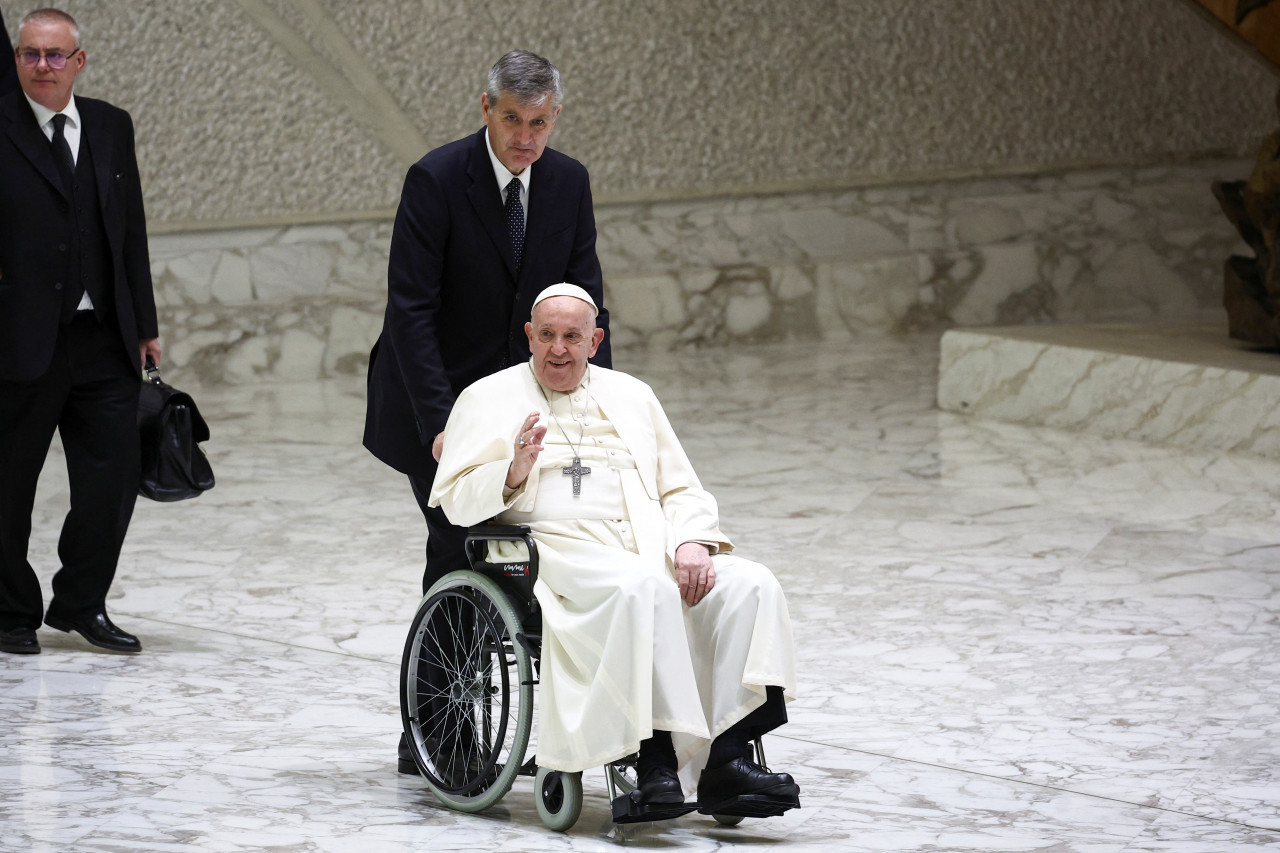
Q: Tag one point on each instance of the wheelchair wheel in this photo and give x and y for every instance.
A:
(558, 798)
(466, 698)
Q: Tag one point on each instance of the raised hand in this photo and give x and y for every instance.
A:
(528, 445)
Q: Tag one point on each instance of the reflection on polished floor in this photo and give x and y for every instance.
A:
(1010, 638)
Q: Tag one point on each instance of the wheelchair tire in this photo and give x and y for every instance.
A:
(558, 798)
(471, 750)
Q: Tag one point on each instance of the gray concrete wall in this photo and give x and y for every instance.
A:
(279, 111)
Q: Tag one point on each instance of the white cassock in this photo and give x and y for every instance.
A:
(622, 655)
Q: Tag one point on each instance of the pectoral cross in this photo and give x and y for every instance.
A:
(577, 472)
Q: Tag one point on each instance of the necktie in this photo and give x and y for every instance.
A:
(66, 170)
(515, 220)
(62, 152)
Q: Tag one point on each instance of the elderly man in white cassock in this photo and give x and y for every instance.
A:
(656, 638)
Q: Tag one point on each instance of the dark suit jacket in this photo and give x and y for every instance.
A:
(35, 227)
(8, 66)
(455, 308)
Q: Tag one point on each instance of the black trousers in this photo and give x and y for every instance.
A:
(89, 395)
(446, 543)
(659, 751)
(766, 718)
(446, 552)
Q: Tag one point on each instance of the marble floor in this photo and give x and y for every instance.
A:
(1010, 638)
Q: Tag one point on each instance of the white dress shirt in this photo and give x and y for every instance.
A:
(44, 118)
(504, 176)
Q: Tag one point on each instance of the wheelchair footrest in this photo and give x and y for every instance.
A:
(628, 809)
(752, 805)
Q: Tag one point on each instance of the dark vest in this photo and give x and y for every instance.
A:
(90, 257)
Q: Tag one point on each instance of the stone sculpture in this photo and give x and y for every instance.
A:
(1251, 291)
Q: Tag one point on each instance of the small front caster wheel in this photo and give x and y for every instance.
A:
(558, 798)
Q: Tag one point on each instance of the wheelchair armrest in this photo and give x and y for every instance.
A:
(478, 539)
(511, 532)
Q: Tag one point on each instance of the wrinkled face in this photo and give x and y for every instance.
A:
(562, 336)
(518, 132)
(44, 85)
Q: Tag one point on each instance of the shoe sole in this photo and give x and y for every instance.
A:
(21, 650)
(67, 628)
(751, 805)
(626, 810)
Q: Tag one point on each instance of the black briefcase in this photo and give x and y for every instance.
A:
(170, 427)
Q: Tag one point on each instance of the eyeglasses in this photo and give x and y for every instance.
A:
(56, 60)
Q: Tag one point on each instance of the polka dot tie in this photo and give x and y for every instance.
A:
(515, 220)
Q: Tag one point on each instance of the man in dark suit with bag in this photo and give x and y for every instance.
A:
(77, 319)
(484, 224)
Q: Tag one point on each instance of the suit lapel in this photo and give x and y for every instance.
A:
(543, 191)
(93, 131)
(21, 127)
(485, 200)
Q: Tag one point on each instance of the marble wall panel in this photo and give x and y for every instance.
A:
(291, 303)
(1182, 384)
(1140, 244)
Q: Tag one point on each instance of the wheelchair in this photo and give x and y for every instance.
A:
(467, 681)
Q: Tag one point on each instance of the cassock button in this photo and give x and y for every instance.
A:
(62, 247)
(58, 286)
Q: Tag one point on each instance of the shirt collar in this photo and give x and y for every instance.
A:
(44, 114)
(584, 382)
(501, 172)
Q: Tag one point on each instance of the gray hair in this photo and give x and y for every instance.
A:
(527, 77)
(52, 16)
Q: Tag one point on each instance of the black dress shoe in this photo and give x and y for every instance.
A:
(404, 758)
(98, 630)
(660, 786)
(19, 641)
(743, 778)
